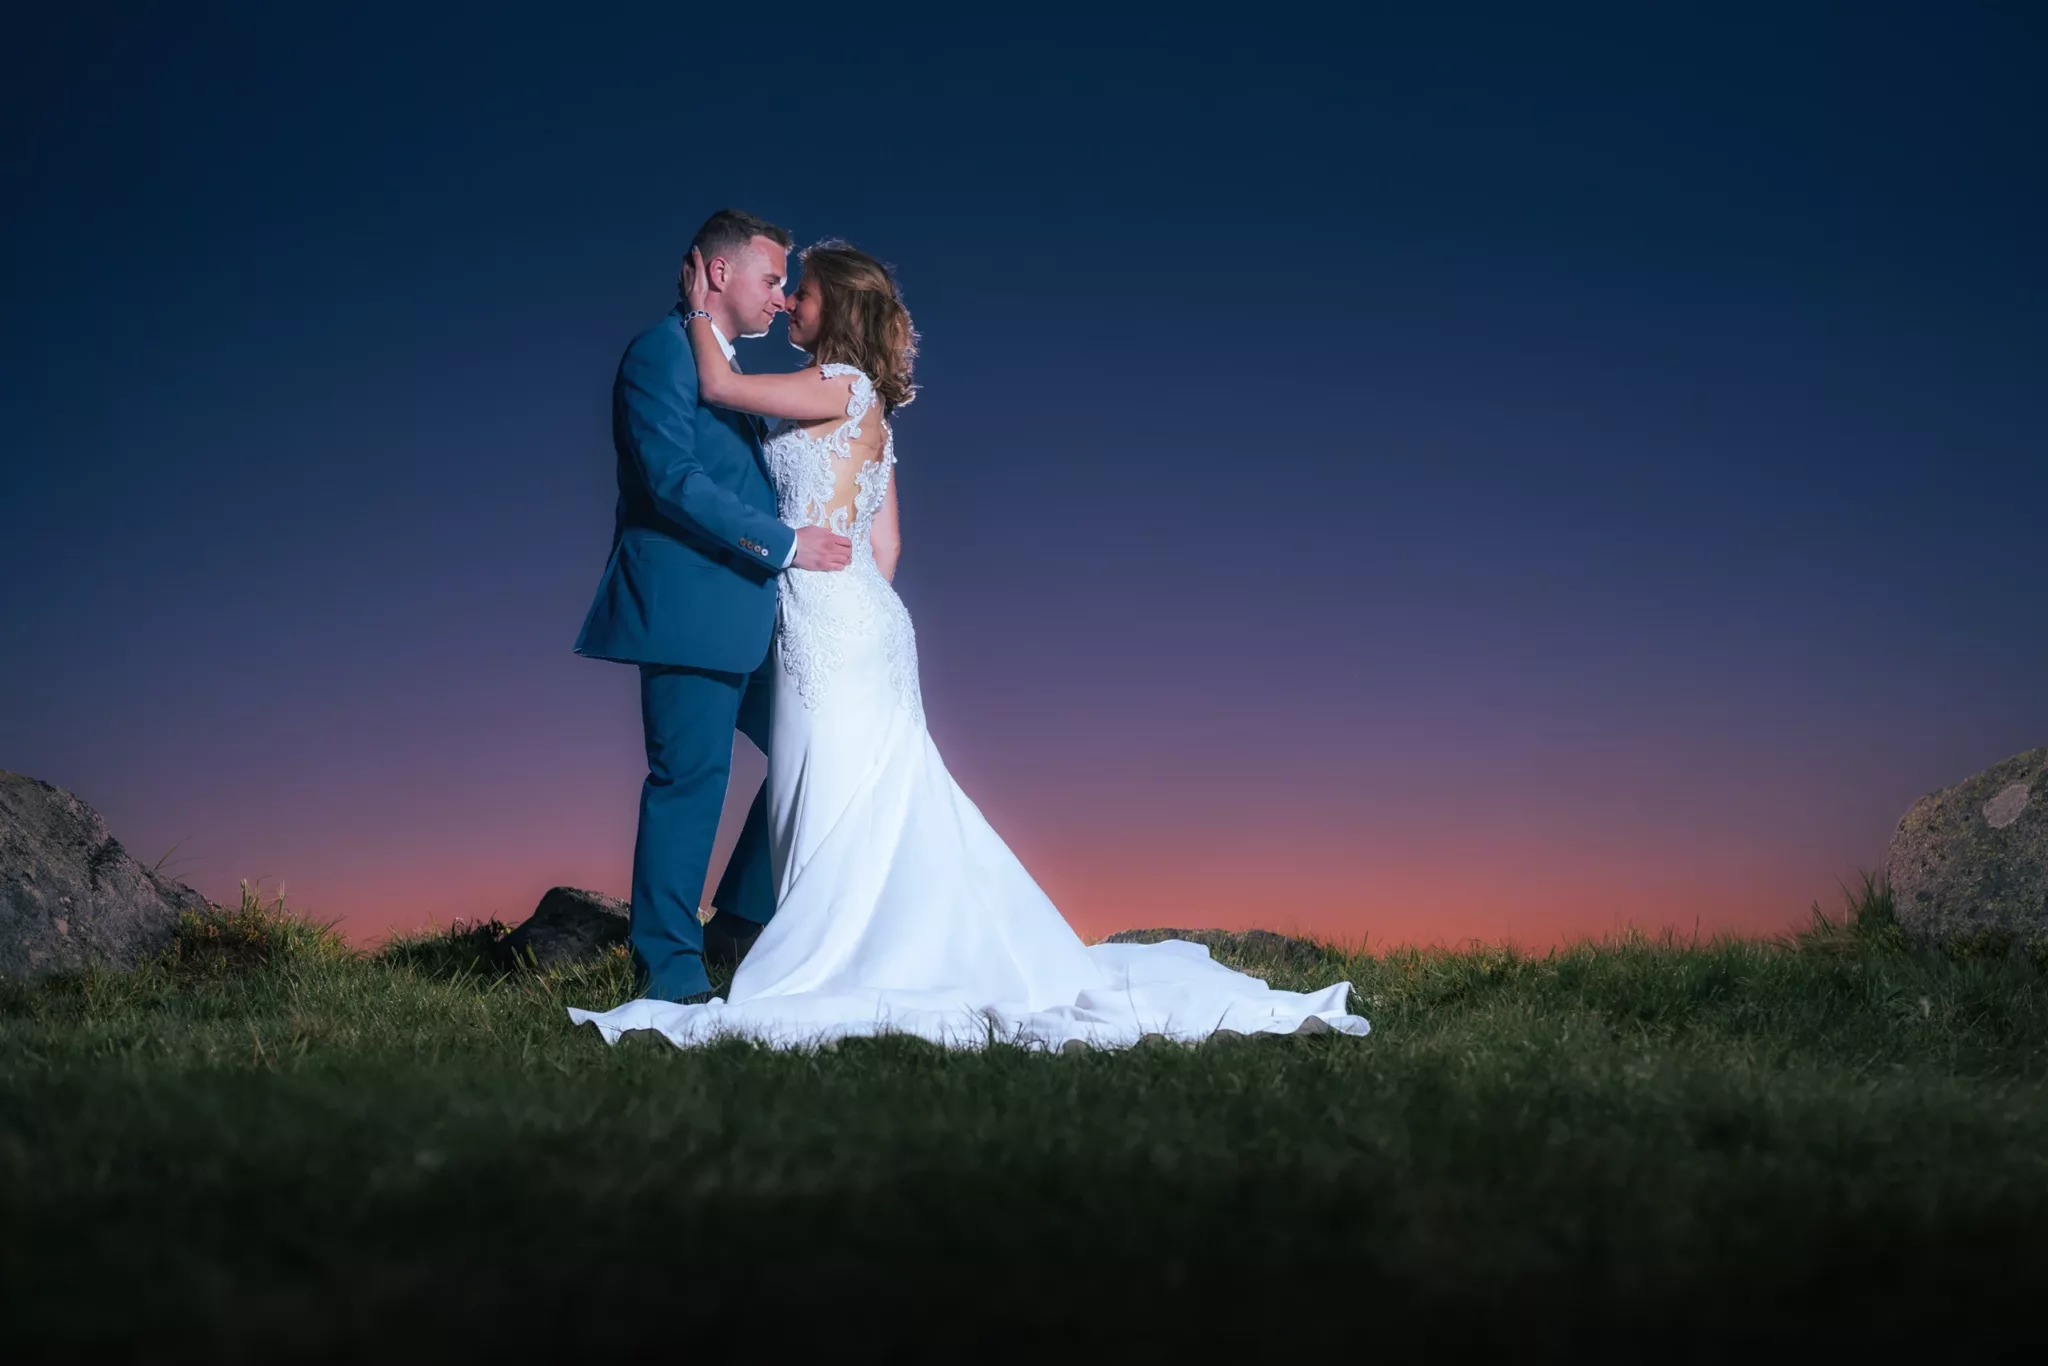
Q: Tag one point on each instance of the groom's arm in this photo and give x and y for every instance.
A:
(659, 382)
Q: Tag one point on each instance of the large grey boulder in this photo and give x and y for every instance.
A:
(568, 925)
(1970, 862)
(70, 895)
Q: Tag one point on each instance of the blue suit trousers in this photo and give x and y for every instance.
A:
(689, 716)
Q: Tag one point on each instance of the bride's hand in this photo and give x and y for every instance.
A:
(695, 287)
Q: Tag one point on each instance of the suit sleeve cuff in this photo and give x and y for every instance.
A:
(766, 555)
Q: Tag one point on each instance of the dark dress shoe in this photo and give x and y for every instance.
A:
(727, 938)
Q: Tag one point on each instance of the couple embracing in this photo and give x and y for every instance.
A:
(751, 582)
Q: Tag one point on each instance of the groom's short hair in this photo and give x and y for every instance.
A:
(726, 231)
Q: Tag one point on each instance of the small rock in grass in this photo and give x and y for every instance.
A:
(568, 926)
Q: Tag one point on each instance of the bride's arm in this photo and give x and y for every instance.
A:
(885, 534)
(805, 396)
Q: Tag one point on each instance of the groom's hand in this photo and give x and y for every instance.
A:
(817, 548)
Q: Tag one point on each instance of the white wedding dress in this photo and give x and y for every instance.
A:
(898, 909)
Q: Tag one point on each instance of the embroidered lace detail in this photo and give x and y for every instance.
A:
(823, 615)
(900, 639)
(863, 396)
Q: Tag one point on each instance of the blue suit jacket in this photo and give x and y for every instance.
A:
(696, 544)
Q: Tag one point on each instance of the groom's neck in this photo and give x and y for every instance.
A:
(721, 318)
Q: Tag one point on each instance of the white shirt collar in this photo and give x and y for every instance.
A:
(724, 345)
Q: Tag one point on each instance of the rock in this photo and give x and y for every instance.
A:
(1970, 862)
(70, 896)
(645, 1040)
(570, 924)
(1251, 947)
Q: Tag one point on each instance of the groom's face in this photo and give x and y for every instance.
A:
(754, 277)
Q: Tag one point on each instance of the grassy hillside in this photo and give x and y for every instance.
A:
(268, 1145)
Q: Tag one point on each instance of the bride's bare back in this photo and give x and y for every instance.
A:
(855, 461)
(835, 472)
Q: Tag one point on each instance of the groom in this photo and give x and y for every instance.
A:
(688, 595)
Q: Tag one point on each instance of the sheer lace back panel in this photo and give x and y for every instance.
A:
(835, 476)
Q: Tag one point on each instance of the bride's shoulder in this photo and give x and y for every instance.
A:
(861, 395)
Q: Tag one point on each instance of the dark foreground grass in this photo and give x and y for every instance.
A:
(270, 1147)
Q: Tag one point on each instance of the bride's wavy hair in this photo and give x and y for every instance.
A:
(861, 318)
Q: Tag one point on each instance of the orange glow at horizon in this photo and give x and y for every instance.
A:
(1424, 900)
(1445, 865)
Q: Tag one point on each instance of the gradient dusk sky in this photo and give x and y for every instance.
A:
(1504, 472)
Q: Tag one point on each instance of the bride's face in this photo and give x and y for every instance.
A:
(803, 308)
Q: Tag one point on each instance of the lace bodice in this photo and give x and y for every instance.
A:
(828, 621)
(813, 487)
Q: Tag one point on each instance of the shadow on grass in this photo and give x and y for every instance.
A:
(475, 953)
(466, 949)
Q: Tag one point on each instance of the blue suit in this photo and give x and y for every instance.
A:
(688, 595)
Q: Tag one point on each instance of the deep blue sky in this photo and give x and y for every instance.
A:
(1483, 470)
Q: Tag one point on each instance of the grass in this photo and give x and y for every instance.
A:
(269, 1146)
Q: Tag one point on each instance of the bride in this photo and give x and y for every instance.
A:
(898, 909)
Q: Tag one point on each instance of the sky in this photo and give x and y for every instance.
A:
(1412, 475)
